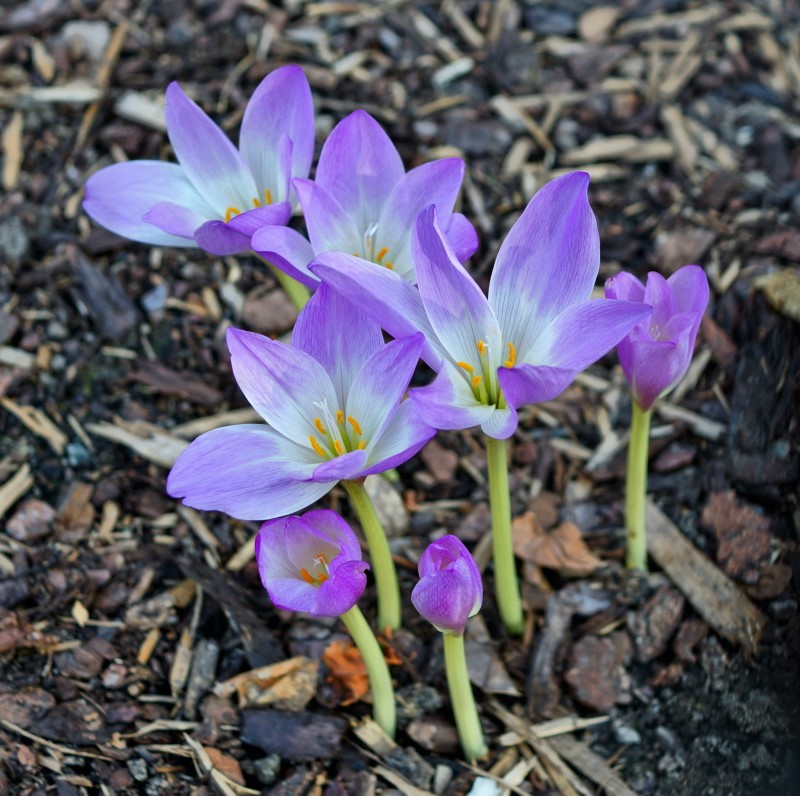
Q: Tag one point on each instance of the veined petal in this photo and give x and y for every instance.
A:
(458, 311)
(548, 261)
(624, 286)
(174, 219)
(210, 160)
(331, 524)
(389, 300)
(659, 296)
(281, 105)
(380, 384)
(448, 403)
(341, 468)
(689, 286)
(584, 332)
(654, 367)
(250, 472)
(461, 236)
(303, 542)
(288, 250)
(281, 383)
(435, 183)
(532, 384)
(359, 165)
(291, 594)
(221, 239)
(118, 196)
(338, 335)
(402, 437)
(341, 592)
(251, 221)
(330, 227)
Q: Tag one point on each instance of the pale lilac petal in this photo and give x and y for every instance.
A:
(210, 160)
(461, 236)
(281, 383)
(532, 384)
(221, 239)
(174, 219)
(330, 227)
(118, 196)
(502, 423)
(335, 528)
(338, 335)
(458, 311)
(389, 300)
(548, 261)
(360, 166)
(304, 542)
(658, 295)
(380, 384)
(341, 592)
(341, 468)
(286, 249)
(402, 437)
(250, 472)
(281, 105)
(249, 222)
(448, 403)
(624, 286)
(655, 366)
(435, 183)
(584, 332)
(689, 286)
(292, 594)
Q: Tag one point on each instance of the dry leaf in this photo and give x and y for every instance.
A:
(286, 685)
(16, 633)
(347, 669)
(562, 549)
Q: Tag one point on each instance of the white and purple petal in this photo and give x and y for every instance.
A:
(401, 438)
(286, 249)
(330, 227)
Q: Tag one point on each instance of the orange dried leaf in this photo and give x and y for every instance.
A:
(347, 669)
(561, 549)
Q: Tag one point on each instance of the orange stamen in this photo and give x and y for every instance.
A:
(340, 417)
(476, 380)
(316, 446)
(512, 356)
(306, 576)
(338, 446)
(256, 202)
(319, 426)
(466, 366)
(481, 347)
(389, 265)
(354, 423)
(321, 578)
(381, 254)
(267, 196)
(361, 445)
(230, 212)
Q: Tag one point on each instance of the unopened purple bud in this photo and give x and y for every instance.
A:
(656, 354)
(450, 588)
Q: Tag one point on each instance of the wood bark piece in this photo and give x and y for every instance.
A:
(591, 765)
(13, 489)
(713, 595)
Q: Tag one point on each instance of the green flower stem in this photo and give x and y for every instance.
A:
(390, 614)
(505, 571)
(468, 724)
(380, 680)
(298, 294)
(636, 488)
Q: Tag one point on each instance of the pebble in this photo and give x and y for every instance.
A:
(31, 521)
(138, 769)
(550, 21)
(626, 735)
(78, 455)
(13, 239)
(267, 769)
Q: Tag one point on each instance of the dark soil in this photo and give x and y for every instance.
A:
(120, 611)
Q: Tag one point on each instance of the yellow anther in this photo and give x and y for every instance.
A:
(256, 202)
(340, 417)
(466, 366)
(338, 447)
(476, 380)
(512, 356)
(481, 347)
(230, 212)
(321, 578)
(306, 576)
(319, 425)
(388, 265)
(361, 445)
(381, 254)
(354, 423)
(267, 196)
(316, 446)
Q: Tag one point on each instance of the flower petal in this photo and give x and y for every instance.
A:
(281, 383)
(655, 366)
(359, 166)
(221, 239)
(624, 286)
(304, 542)
(341, 468)
(250, 472)
(251, 221)
(532, 384)
(174, 219)
(292, 594)
(335, 528)
(338, 335)
(566, 344)
(548, 261)
(210, 160)
(461, 236)
(689, 286)
(401, 438)
(280, 105)
(659, 296)
(286, 249)
(380, 384)
(389, 300)
(118, 196)
(458, 311)
(330, 227)
(341, 592)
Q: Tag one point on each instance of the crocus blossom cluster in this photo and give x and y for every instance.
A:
(656, 353)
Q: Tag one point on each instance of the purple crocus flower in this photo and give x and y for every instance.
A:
(311, 563)
(524, 344)
(218, 195)
(364, 203)
(450, 588)
(657, 352)
(332, 400)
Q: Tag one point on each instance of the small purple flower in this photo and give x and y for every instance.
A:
(311, 563)
(526, 343)
(363, 202)
(657, 352)
(450, 588)
(332, 401)
(218, 195)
